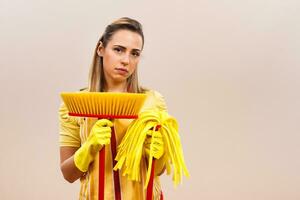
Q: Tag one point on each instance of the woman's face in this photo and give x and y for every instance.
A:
(121, 55)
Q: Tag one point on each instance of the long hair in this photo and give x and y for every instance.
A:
(96, 74)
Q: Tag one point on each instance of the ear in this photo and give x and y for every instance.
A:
(100, 49)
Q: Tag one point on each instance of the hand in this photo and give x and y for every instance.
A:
(99, 136)
(154, 144)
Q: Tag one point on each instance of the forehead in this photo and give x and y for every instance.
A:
(127, 38)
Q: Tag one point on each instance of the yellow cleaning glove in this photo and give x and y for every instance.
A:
(154, 147)
(99, 136)
(154, 144)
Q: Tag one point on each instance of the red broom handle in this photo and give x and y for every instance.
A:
(150, 184)
(151, 180)
(115, 173)
(101, 174)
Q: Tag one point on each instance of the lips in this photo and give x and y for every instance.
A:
(121, 70)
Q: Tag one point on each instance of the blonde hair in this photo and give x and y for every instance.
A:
(96, 74)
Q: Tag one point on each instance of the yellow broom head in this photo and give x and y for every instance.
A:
(104, 104)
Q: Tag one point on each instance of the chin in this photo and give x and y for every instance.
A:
(120, 79)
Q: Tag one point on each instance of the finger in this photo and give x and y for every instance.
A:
(159, 142)
(104, 122)
(102, 130)
(156, 147)
(104, 135)
(103, 141)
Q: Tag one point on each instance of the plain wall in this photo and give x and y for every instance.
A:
(229, 71)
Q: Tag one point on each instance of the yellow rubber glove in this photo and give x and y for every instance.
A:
(99, 136)
(154, 144)
(154, 147)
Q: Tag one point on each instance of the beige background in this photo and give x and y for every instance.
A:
(229, 71)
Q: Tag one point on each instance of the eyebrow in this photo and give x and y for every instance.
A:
(116, 45)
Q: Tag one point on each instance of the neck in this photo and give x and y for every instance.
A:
(116, 87)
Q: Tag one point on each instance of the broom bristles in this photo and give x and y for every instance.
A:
(103, 104)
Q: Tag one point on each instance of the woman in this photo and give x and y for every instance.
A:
(114, 69)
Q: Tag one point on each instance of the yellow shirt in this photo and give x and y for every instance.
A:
(74, 131)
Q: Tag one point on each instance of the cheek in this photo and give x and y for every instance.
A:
(109, 61)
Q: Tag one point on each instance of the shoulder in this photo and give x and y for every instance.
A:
(64, 117)
(154, 93)
(156, 99)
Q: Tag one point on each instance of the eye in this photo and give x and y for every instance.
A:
(136, 54)
(117, 49)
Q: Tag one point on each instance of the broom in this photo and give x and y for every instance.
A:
(108, 105)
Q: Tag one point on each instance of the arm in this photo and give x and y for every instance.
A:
(75, 161)
(67, 166)
(69, 140)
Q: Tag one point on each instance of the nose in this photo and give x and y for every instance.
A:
(125, 59)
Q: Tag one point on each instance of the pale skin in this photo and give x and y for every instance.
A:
(120, 59)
